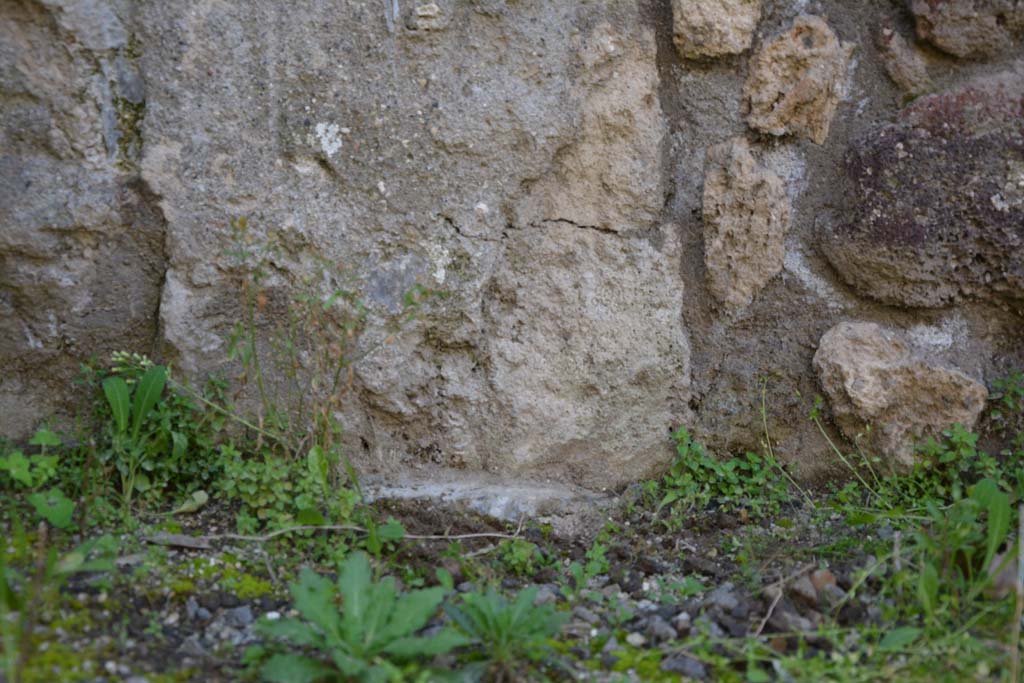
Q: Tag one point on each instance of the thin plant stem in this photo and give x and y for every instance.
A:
(771, 451)
(250, 315)
(227, 413)
(846, 462)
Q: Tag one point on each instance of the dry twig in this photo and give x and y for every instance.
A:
(357, 529)
(779, 586)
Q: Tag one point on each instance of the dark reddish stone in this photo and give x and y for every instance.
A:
(938, 200)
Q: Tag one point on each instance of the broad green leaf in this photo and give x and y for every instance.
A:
(318, 466)
(310, 517)
(179, 445)
(670, 497)
(444, 577)
(756, 674)
(861, 518)
(314, 598)
(298, 632)
(295, 669)
(44, 437)
(380, 673)
(53, 506)
(411, 613)
(898, 638)
(142, 482)
(392, 530)
(984, 492)
(116, 391)
(928, 588)
(70, 563)
(462, 619)
(197, 500)
(438, 644)
(10, 599)
(999, 514)
(151, 386)
(354, 583)
(44, 467)
(17, 467)
(352, 666)
(378, 612)
(523, 603)
(103, 550)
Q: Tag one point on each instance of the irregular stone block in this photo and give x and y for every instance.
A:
(874, 377)
(712, 28)
(969, 28)
(746, 214)
(904, 63)
(609, 176)
(937, 210)
(587, 354)
(81, 240)
(796, 81)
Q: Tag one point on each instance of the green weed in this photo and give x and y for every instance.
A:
(696, 480)
(510, 635)
(372, 638)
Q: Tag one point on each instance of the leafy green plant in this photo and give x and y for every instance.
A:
(32, 472)
(948, 465)
(1007, 418)
(958, 547)
(53, 506)
(264, 485)
(183, 427)
(1007, 412)
(943, 472)
(129, 440)
(372, 638)
(311, 334)
(595, 560)
(519, 556)
(511, 635)
(695, 480)
(311, 343)
(276, 491)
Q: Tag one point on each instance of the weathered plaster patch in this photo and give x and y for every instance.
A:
(441, 258)
(787, 163)
(796, 264)
(943, 336)
(328, 134)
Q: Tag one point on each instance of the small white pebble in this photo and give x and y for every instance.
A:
(273, 616)
(636, 639)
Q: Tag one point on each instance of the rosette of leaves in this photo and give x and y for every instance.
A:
(371, 639)
(510, 635)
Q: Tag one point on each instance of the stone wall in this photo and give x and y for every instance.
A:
(642, 213)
